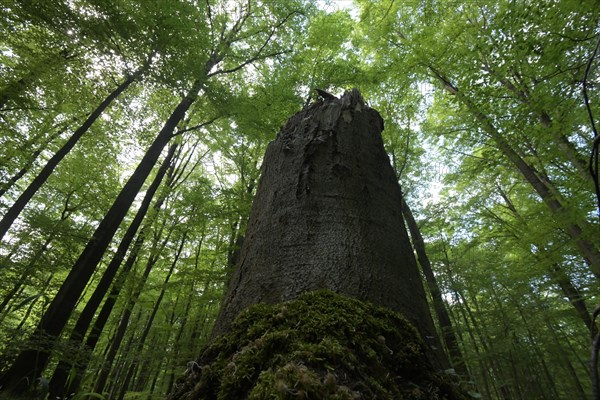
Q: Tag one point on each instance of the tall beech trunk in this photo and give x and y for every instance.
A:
(448, 336)
(30, 362)
(13, 212)
(523, 95)
(107, 308)
(542, 187)
(142, 339)
(117, 339)
(326, 218)
(570, 291)
(58, 383)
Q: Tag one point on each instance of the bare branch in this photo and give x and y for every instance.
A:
(200, 126)
(259, 55)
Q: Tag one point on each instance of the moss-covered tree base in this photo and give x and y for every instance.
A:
(320, 346)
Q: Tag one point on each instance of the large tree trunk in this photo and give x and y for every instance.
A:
(327, 215)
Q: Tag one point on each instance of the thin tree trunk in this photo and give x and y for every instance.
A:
(566, 147)
(547, 193)
(102, 318)
(456, 357)
(30, 362)
(25, 168)
(557, 274)
(184, 322)
(124, 322)
(45, 287)
(24, 275)
(142, 339)
(116, 369)
(58, 383)
(13, 212)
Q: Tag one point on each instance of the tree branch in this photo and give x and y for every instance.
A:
(258, 54)
(202, 125)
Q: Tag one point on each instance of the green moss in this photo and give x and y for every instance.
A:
(320, 346)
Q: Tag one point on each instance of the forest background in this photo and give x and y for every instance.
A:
(157, 114)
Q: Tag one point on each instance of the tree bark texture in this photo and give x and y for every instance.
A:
(327, 215)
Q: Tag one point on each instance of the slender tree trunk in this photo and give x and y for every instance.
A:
(18, 206)
(25, 168)
(556, 272)
(25, 274)
(124, 321)
(43, 289)
(566, 147)
(31, 362)
(58, 383)
(115, 370)
(142, 339)
(102, 318)
(456, 357)
(547, 193)
(178, 345)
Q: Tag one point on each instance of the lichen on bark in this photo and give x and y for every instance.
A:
(321, 345)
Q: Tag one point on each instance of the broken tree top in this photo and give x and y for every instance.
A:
(327, 215)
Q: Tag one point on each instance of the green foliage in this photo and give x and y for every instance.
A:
(440, 72)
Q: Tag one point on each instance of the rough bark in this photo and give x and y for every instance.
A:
(327, 215)
(326, 223)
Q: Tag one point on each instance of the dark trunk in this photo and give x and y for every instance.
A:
(94, 335)
(125, 317)
(439, 305)
(327, 214)
(13, 212)
(327, 218)
(30, 362)
(58, 383)
(142, 339)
